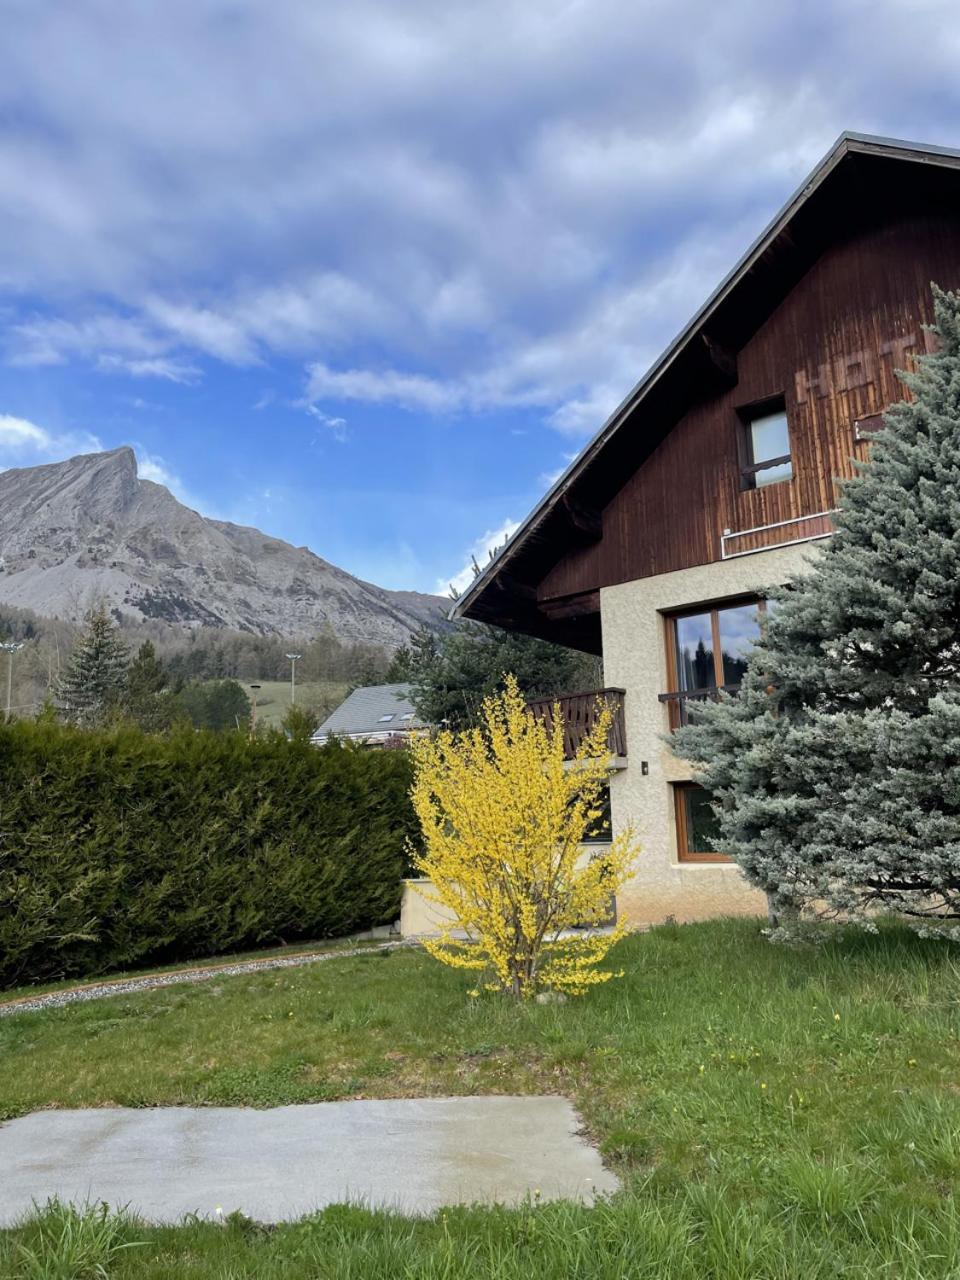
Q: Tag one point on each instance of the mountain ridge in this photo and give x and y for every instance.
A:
(90, 529)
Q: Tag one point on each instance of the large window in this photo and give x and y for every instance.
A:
(766, 445)
(697, 827)
(707, 650)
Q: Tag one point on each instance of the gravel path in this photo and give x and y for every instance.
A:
(120, 986)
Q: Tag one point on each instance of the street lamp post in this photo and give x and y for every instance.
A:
(253, 716)
(293, 676)
(10, 647)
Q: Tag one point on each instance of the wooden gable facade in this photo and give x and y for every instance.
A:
(816, 318)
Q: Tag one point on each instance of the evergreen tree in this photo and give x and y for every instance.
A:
(451, 673)
(300, 723)
(93, 685)
(401, 666)
(836, 771)
(215, 704)
(148, 700)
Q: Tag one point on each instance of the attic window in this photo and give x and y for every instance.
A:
(765, 448)
(407, 715)
(385, 719)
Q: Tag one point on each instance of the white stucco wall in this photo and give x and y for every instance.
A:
(420, 916)
(635, 658)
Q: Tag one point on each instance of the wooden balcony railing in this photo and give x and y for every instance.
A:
(677, 702)
(578, 713)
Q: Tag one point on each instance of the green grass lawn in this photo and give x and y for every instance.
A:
(273, 697)
(772, 1112)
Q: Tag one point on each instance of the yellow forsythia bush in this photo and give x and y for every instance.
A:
(503, 818)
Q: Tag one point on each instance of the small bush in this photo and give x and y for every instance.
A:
(120, 849)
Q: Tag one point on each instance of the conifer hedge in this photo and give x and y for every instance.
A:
(119, 849)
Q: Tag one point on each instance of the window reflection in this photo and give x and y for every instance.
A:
(739, 629)
(770, 438)
(695, 652)
(698, 666)
(703, 829)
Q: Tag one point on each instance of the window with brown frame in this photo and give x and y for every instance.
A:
(764, 444)
(697, 826)
(707, 650)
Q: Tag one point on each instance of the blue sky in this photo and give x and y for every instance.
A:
(369, 275)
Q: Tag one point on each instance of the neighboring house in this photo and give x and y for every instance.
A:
(376, 715)
(715, 478)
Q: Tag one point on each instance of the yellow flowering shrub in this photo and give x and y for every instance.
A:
(503, 817)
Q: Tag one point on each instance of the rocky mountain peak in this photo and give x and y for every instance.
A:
(87, 530)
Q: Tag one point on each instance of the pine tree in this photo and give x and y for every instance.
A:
(300, 723)
(146, 674)
(148, 700)
(836, 770)
(401, 666)
(94, 682)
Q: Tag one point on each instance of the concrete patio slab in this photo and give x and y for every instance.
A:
(413, 1155)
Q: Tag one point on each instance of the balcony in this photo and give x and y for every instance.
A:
(578, 715)
(677, 703)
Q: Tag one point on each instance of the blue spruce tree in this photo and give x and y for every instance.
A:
(91, 688)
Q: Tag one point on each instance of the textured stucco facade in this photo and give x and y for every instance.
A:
(635, 659)
(420, 914)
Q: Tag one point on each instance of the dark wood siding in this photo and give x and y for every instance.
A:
(830, 348)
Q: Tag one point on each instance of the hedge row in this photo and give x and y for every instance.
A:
(120, 849)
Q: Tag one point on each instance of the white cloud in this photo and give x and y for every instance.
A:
(204, 329)
(47, 340)
(18, 433)
(386, 386)
(343, 188)
(478, 554)
(168, 368)
(152, 467)
(337, 426)
(24, 444)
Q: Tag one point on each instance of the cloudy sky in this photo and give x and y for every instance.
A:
(369, 275)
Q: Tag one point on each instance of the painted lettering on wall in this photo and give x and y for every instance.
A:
(857, 370)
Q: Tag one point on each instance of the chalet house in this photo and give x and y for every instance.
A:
(376, 715)
(716, 477)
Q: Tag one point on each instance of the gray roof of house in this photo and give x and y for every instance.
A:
(363, 710)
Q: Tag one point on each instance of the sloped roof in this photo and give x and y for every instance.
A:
(858, 173)
(362, 712)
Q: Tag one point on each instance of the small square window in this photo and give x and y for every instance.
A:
(766, 445)
(385, 719)
(407, 715)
